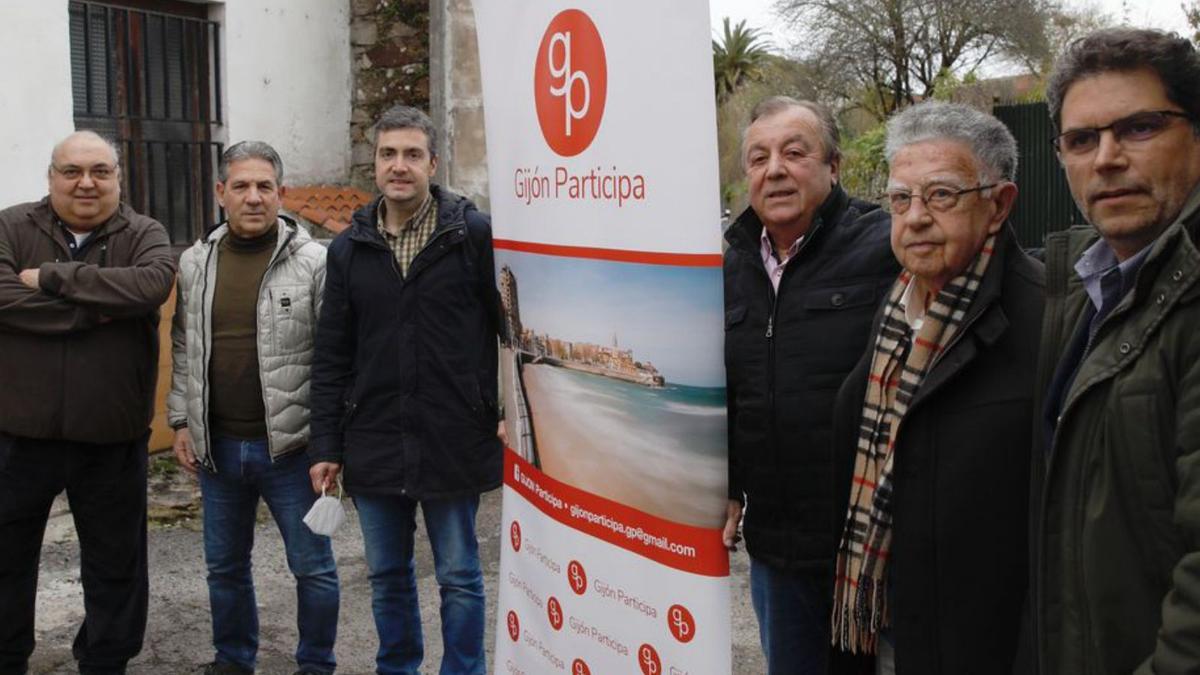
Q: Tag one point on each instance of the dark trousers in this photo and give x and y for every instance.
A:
(106, 488)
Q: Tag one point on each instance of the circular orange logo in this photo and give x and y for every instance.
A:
(648, 660)
(578, 667)
(514, 533)
(514, 626)
(554, 612)
(680, 623)
(576, 577)
(570, 82)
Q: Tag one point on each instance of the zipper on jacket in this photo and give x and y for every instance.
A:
(773, 299)
(205, 309)
(275, 259)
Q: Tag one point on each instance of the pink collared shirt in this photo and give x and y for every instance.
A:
(773, 265)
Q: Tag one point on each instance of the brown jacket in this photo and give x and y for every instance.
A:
(78, 357)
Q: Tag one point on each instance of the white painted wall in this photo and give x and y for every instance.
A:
(35, 107)
(287, 81)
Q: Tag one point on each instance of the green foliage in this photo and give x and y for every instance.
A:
(1191, 12)
(411, 12)
(945, 84)
(864, 167)
(779, 77)
(738, 58)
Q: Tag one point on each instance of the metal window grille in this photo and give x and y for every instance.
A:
(150, 81)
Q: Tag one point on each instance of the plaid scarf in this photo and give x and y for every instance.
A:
(898, 368)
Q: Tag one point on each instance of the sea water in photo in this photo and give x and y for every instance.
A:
(658, 449)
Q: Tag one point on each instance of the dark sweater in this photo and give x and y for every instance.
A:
(236, 407)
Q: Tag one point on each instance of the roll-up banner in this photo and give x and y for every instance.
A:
(601, 143)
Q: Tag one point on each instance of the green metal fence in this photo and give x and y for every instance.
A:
(1044, 202)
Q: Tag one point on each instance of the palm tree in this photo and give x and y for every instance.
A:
(738, 58)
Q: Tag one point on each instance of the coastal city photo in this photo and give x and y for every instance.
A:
(611, 386)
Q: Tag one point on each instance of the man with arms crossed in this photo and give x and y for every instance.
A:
(81, 279)
(1116, 531)
(404, 390)
(805, 269)
(242, 345)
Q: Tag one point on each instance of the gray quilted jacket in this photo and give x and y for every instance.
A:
(289, 301)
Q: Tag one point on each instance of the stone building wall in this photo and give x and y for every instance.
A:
(421, 53)
(389, 44)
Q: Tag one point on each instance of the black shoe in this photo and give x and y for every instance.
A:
(223, 668)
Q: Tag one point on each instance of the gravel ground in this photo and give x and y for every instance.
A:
(178, 638)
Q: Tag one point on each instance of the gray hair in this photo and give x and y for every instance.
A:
(88, 133)
(990, 141)
(406, 117)
(830, 137)
(1171, 57)
(249, 150)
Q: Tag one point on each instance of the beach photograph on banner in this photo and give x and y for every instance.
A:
(608, 391)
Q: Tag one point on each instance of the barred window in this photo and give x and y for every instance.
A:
(146, 74)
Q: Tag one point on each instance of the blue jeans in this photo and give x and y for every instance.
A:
(793, 610)
(230, 496)
(387, 525)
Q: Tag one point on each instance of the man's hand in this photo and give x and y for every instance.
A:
(30, 278)
(733, 519)
(324, 476)
(185, 449)
(502, 433)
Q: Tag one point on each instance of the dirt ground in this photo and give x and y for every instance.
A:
(178, 638)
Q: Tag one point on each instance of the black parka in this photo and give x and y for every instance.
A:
(957, 574)
(404, 369)
(786, 354)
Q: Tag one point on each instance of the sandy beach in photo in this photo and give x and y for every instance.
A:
(658, 450)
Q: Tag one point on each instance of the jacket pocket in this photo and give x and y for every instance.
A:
(734, 316)
(841, 297)
(291, 319)
(472, 394)
(348, 413)
(1146, 462)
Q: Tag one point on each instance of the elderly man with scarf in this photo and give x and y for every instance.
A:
(932, 429)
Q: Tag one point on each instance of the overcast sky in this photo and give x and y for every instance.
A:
(1165, 14)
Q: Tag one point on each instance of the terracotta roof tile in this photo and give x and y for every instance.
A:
(330, 206)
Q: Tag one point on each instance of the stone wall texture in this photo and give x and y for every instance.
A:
(389, 43)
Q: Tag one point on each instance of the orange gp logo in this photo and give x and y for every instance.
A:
(570, 82)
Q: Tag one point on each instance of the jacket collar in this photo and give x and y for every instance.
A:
(451, 213)
(1170, 275)
(985, 321)
(291, 236)
(746, 232)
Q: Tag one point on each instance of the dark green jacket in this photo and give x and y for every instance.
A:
(1116, 530)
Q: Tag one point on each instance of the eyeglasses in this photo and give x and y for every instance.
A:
(98, 172)
(1137, 127)
(936, 197)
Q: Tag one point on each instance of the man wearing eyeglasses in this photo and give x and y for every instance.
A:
(82, 277)
(1116, 527)
(932, 428)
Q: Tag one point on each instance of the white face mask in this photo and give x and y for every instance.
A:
(326, 514)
